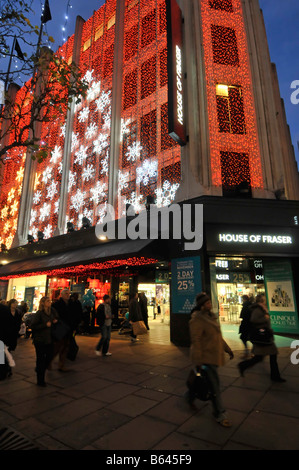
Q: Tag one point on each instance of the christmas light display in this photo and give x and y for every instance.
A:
(107, 267)
(232, 119)
(145, 149)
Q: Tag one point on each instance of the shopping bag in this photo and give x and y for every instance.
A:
(139, 328)
(197, 382)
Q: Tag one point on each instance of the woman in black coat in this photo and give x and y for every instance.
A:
(41, 325)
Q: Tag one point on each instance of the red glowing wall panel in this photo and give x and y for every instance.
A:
(143, 152)
(233, 70)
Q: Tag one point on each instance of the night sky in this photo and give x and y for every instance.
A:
(281, 20)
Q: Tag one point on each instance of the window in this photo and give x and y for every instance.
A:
(111, 22)
(148, 77)
(225, 48)
(131, 42)
(230, 109)
(225, 5)
(99, 32)
(87, 44)
(130, 89)
(148, 29)
(235, 174)
(148, 126)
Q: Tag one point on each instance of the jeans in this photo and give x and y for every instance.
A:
(213, 378)
(105, 339)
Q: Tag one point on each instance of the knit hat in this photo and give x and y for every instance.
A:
(201, 299)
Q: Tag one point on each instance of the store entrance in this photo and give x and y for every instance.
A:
(158, 301)
(231, 278)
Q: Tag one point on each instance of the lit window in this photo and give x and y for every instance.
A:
(87, 44)
(230, 109)
(99, 32)
(111, 22)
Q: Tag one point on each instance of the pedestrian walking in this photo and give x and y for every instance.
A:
(104, 320)
(134, 314)
(61, 346)
(245, 323)
(143, 308)
(262, 338)
(41, 325)
(207, 352)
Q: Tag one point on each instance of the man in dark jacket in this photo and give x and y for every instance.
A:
(134, 313)
(244, 329)
(104, 320)
(63, 308)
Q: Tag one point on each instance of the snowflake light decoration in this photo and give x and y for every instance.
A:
(88, 173)
(98, 192)
(91, 131)
(56, 154)
(103, 100)
(37, 197)
(47, 175)
(122, 180)
(83, 115)
(148, 169)
(166, 194)
(51, 190)
(81, 155)
(133, 152)
(100, 143)
(44, 212)
(77, 200)
(135, 201)
(48, 231)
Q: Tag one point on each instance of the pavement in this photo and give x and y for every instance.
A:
(134, 400)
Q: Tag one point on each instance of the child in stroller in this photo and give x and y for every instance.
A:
(125, 326)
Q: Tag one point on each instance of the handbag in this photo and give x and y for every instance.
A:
(139, 328)
(198, 384)
(60, 330)
(73, 349)
(261, 336)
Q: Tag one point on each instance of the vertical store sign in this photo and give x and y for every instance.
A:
(281, 297)
(176, 117)
(185, 283)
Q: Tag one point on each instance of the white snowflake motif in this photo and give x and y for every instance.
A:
(122, 180)
(107, 120)
(133, 152)
(93, 91)
(51, 190)
(62, 131)
(72, 180)
(103, 101)
(83, 115)
(77, 200)
(149, 169)
(44, 212)
(81, 155)
(56, 206)
(101, 212)
(75, 140)
(48, 231)
(166, 194)
(33, 216)
(88, 76)
(47, 174)
(105, 165)
(124, 128)
(100, 143)
(60, 167)
(37, 196)
(55, 154)
(88, 173)
(91, 131)
(98, 192)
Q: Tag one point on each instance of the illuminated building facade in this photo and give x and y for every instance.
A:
(115, 148)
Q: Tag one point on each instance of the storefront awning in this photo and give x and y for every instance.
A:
(102, 256)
